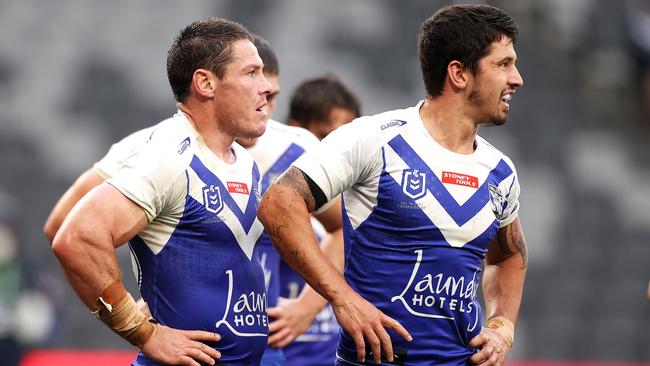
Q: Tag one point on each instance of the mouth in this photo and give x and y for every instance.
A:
(262, 108)
(506, 98)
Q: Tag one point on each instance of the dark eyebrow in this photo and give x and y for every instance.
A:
(505, 60)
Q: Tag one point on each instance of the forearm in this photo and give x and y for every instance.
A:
(286, 218)
(90, 265)
(502, 288)
(85, 246)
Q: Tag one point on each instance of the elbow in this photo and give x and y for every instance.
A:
(264, 211)
(58, 246)
(50, 229)
(62, 245)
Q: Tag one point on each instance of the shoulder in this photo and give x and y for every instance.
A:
(170, 145)
(376, 130)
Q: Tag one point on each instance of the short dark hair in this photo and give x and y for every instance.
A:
(271, 66)
(314, 99)
(204, 44)
(463, 33)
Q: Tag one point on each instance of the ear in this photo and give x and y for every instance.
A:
(457, 75)
(204, 83)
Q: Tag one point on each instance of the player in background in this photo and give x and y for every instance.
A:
(322, 104)
(319, 105)
(186, 200)
(426, 201)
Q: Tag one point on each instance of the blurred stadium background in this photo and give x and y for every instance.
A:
(76, 76)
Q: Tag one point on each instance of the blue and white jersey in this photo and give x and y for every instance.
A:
(418, 219)
(197, 260)
(274, 152)
(317, 346)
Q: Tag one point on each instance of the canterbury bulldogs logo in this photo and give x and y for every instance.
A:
(212, 199)
(497, 200)
(414, 183)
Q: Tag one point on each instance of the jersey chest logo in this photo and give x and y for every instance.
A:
(414, 183)
(212, 198)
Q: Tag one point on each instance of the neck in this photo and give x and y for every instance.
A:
(210, 131)
(445, 121)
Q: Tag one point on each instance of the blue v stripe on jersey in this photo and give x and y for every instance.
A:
(246, 218)
(292, 153)
(460, 213)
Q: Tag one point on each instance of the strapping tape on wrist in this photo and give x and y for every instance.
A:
(118, 310)
(505, 327)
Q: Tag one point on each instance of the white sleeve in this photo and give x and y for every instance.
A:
(154, 179)
(308, 140)
(511, 209)
(119, 152)
(340, 160)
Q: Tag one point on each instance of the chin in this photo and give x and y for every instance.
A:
(262, 129)
(498, 120)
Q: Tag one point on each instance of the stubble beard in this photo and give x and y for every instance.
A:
(479, 101)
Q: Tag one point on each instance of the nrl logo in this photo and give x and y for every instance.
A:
(414, 183)
(212, 199)
(497, 200)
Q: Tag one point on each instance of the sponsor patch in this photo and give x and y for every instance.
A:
(393, 123)
(460, 179)
(237, 187)
(183, 146)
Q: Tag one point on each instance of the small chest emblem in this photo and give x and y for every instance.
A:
(212, 199)
(414, 183)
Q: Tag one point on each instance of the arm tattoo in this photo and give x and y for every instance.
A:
(511, 241)
(295, 179)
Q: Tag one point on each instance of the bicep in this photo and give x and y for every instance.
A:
(106, 213)
(507, 243)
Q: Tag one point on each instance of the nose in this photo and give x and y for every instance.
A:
(515, 79)
(267, 87)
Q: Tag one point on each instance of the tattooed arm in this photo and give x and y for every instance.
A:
(503, 282)
(505, 269)
(292, 317)
(284, 211)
